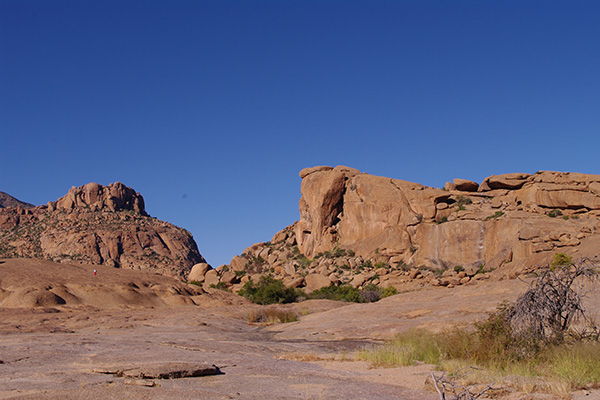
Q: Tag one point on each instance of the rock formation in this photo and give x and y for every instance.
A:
(357, 228)
(100, 225)
(7, 200)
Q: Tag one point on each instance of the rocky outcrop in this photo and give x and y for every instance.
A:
(114, 197)
(7, 200)
(98, 224)
(358, 229)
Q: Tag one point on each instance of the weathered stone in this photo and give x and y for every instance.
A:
(358, 280)
(465, 185)
(228, 277)
(316, 281)
(307, 171)
(279, 237)
(507, 181)
(198, 271)
(293, 282)
(238, 263)
(211, 278)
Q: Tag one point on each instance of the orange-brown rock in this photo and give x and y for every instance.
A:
(379, 217)
(99, 225)
(7, 200)
(359, 229)
(465, 185)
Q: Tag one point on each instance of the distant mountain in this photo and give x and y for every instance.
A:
(7, 200)
(97, 224)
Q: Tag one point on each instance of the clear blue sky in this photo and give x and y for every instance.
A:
(210, 108)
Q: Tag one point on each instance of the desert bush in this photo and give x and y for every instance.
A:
(272, 316)
(337, 292)
(220, 286)
(496, 215)
(554, 213)
(545, 312)
(370, 294)
(462, 201)
(528, 337)
(388, 291)
(268, 290)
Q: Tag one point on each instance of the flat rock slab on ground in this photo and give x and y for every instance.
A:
(162, 370)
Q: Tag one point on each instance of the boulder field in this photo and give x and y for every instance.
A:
(358, 229)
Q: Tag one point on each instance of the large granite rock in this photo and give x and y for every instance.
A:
(359, 229)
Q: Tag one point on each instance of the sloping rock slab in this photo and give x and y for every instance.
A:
(163, 371)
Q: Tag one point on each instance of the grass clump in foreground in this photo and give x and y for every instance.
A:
(531, 338)
(270, 316)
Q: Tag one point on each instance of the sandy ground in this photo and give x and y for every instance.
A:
(56, 356)
(56, 350)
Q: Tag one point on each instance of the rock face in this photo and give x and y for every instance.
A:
(510, 217)
(99, 225)
(358, 229)
(114, 197)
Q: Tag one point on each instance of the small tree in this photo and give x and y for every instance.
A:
(553, 302)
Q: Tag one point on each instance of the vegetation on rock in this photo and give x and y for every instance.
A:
(533, 336)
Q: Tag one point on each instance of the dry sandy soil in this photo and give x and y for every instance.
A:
(64, 333)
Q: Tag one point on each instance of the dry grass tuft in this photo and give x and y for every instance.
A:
(271, 315)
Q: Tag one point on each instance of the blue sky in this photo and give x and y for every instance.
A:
(210, 108)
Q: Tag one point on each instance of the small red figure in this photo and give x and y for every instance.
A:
(94, 272)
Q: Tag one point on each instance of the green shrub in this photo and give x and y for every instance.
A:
(339, 293)
(389, 291)
(554, 213)
(496, 215)
(442, 220)
(462, 201)
(268, 290)
(220, 286)
(559, 260)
